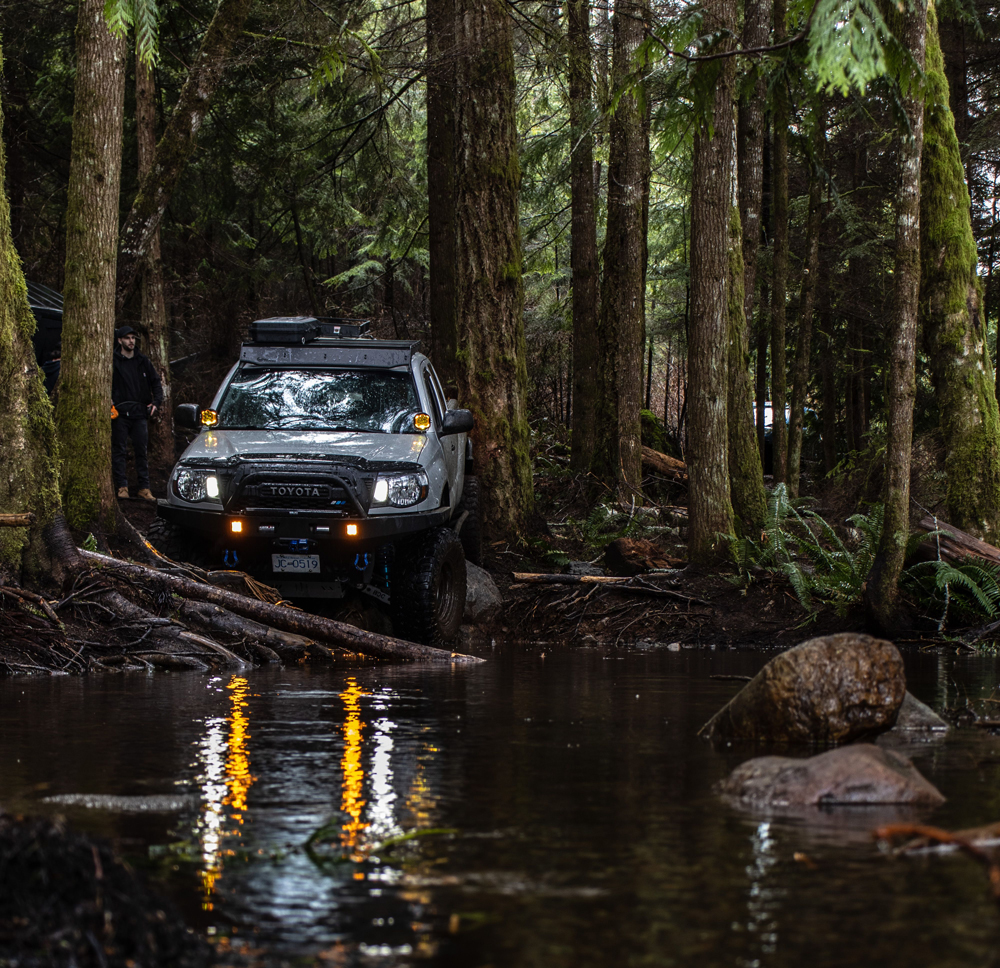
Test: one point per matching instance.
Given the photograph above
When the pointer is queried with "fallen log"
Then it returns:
(664, 464)
(279, 616)
(17, 520)
(613, 581)
(953, 544)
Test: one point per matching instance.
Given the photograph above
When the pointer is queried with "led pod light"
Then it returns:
(400, 490)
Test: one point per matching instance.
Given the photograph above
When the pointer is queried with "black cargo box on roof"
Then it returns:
(379, 353)
(286, 330)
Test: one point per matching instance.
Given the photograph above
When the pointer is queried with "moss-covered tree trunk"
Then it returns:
(178, 142)
(441, 59)
(882, 588)
(29, 467)
(83, 413)
(492, 372)
(154, 304)
(621, 322)
(713, 209)
(803, 336)
(583, 241)
(953, 327)
(746, 478)
(779, 281)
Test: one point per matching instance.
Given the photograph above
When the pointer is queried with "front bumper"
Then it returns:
(275, 525)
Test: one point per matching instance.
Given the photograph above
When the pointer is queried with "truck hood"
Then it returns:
(224, 445)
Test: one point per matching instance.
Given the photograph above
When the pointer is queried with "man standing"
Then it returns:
(136, 393)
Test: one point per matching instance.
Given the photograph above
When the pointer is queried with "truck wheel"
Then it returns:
(428, 593)
(471, 533)
(178, 544)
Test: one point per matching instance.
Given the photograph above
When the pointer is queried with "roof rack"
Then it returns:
(284, 330)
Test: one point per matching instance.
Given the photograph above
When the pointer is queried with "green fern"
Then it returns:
(970, 586)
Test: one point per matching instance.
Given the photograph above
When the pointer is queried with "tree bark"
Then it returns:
(29, 465)
(882, 588)
(154, 306)
(746, 477)
(493, 377)
(953, 327)
(779, 282)
(177, 144)
(441, 93)
(583, 243)
(712, 210)
(621, 322)
(83, 411)
(803, 337)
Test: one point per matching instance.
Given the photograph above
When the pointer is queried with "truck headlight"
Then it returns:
(194, 485)
(400, 490)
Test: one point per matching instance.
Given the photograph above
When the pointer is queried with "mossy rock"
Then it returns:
(656, 436)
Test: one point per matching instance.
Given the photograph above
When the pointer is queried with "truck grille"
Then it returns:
(296, 494)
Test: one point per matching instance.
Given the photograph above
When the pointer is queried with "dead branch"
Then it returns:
(280, 616)
(17, 520)
(664, 464)
(617, 584)
(892, 831)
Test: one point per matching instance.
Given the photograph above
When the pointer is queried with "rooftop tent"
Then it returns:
(47, 305)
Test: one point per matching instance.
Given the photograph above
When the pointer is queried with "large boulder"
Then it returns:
(482, 597)
(858, 774)
(832, 689)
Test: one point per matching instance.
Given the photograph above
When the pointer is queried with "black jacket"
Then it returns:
(135, 380)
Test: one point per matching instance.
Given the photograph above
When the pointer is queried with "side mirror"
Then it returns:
(457, 422)
(188, 415)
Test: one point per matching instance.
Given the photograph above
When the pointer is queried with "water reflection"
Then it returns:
(352, 801)
(224, 782)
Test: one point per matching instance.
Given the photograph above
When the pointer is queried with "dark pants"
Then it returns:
(124, 429)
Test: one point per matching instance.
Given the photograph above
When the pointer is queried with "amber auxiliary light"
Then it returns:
(422, 421)
(352, 530)
(236, 527)
(209, 418)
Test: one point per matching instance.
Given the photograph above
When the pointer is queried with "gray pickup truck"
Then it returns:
(330, 461)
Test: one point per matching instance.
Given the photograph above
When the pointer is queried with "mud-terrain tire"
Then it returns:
(428, 590)
(471, 534)
(178, 544)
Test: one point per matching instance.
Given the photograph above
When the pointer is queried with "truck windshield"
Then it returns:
(372, 401)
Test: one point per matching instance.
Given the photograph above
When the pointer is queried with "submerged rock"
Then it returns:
(113, 803)
(916, 716)
(859, 774)
(482, 597)
(832, 689)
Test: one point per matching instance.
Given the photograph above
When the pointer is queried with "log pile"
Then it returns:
(114, 614)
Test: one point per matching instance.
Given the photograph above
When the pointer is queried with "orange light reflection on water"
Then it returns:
(225, 785)
(352, 800)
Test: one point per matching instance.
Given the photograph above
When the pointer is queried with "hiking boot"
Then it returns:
(122, 493)
(146, 494)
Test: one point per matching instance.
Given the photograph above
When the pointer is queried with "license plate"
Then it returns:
(295, 564)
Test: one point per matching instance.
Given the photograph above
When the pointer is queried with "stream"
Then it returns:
(550, 807)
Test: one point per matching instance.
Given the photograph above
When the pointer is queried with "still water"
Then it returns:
(546, 808)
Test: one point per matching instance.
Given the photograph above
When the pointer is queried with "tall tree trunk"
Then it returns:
(710, 512)
(29, 464)
(750, 148)
(620, 327)
(441, 160)
(953, 328)
(760, 387)
(583, 257)
(953, 47)
(882, 588)
(178, 143)
(803, 337)
(83, 413)
(493, 377)
(828, 376)
(154, 306)
(746, 478)
(779, 284)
